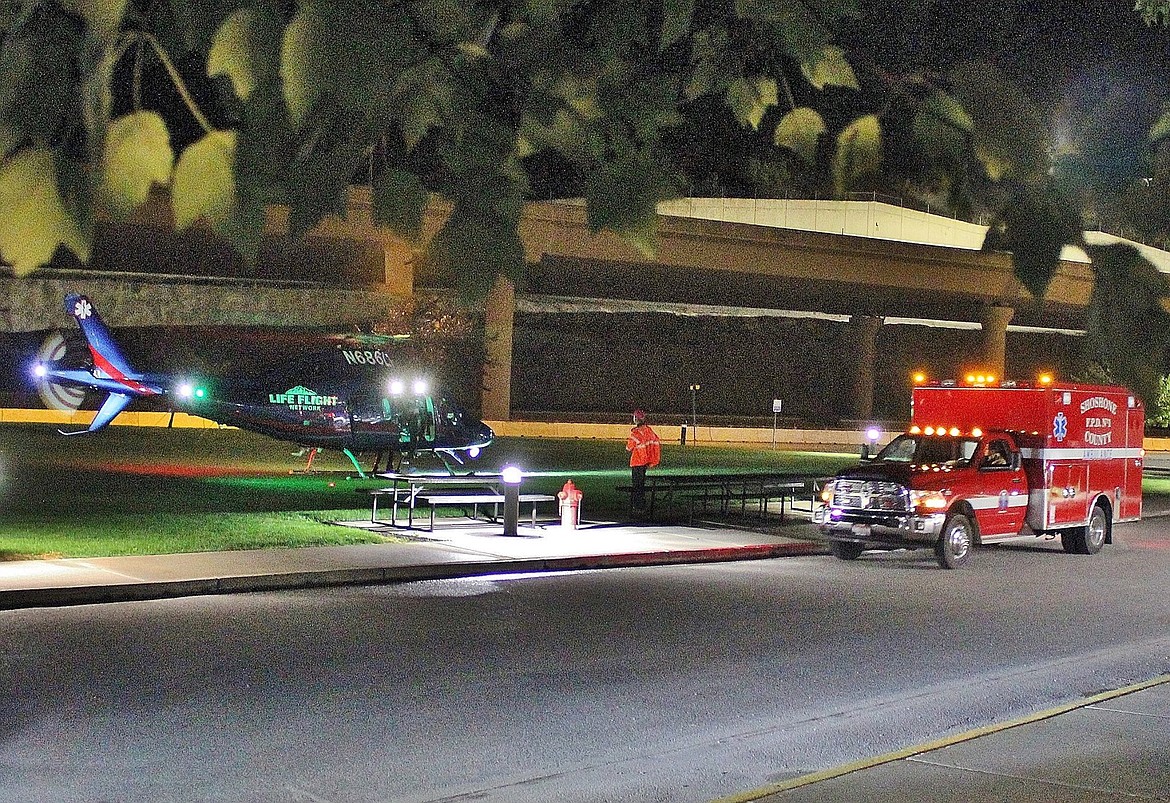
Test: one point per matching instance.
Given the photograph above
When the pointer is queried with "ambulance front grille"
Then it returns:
(870, 495)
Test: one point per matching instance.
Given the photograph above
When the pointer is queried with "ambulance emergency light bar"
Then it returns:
(984, 380)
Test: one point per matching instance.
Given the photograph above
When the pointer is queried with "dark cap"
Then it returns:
(639, 415)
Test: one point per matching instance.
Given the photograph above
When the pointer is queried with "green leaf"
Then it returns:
(38, 88)
(750, 98)
(800, 131)
(243, 50)
(1034, 225)
(204, 187)
(829, 68)
(622, 196)
(1127, 326)
(473, 247)
(301, 55)
(676, 20)
(1009, 131)
(542, 12)
(859, 152)
(1161, 129)
(942, 127)
(104, 17)
(138, 155)
(425, 93)
(35, 221)
(400, 200)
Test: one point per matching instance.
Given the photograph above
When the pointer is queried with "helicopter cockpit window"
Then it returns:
(413, 416)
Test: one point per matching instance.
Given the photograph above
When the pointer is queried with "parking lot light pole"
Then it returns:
(694, 413)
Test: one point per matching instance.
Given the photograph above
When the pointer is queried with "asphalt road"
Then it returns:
(658, 684)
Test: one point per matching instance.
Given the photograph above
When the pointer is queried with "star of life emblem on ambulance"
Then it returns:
(82, 309)
(1059, 426)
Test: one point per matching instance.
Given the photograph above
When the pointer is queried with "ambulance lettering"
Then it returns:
(1098, 427)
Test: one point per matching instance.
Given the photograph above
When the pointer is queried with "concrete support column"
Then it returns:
(499, 313)
(995, 322)
(398, 268)
(864, 330)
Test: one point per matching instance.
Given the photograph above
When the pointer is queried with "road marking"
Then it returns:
(938, 744)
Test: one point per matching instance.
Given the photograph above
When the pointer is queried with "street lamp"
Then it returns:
(694, 410)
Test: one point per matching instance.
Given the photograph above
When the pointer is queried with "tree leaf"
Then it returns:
(800, 131)
(243, 49)
(1161, 129)
(1034, 225)
(35, 221)
(138, 155)
(301, 56)
(1127, 328)
(829, 68)
(104, 17)
(472, 247)
(1009, 131)
(425, 93)
(622, 196)
(859, 152)
(676, 20)
(204, 187)
(37, 80)
(400, 199)
(942, 127)
(750, 98)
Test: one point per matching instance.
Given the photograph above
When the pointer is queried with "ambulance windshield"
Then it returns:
(922, 450)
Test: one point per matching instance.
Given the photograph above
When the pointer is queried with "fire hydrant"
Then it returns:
(570, 502)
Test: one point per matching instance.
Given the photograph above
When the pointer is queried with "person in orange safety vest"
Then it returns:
(645, 452)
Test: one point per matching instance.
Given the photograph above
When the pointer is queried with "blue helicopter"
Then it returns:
(346, 396)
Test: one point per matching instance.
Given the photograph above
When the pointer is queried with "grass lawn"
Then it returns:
(129, 491)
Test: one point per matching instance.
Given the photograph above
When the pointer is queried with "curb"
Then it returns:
(330, 578)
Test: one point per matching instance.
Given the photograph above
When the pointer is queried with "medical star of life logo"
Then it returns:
(1059, 426)
(82, 309)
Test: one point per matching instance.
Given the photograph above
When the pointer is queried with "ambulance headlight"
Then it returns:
(931, 501)
(827, 492)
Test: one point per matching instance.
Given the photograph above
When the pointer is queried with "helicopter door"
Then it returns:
(415, 418)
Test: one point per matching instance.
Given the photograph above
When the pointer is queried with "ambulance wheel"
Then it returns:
(1088, 540)
(953, 549)
(846, 550)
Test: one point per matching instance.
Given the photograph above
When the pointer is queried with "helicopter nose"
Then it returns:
(485, 435)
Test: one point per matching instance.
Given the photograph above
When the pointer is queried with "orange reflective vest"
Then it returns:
(644, 447)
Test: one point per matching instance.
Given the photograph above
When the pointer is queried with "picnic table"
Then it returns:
(469, 491)
(723, 493)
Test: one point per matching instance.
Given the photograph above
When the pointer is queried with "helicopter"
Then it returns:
(347, 394)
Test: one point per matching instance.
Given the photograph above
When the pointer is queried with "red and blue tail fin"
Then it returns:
(108, 360)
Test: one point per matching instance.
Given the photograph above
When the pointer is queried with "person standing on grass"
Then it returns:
(645, 452)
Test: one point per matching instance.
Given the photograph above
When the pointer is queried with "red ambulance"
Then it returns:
(987, 461)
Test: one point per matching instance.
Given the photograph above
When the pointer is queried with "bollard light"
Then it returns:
(511, 477)
(872, 435)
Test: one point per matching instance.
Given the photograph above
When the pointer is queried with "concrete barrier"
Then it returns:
(812, 440)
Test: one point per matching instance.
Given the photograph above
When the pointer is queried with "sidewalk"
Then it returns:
(1111, 747)
(455, 551)
(1114, 746)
